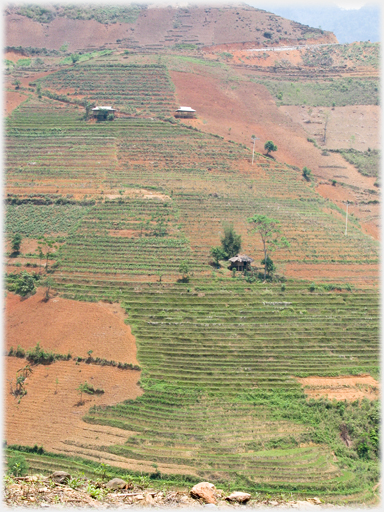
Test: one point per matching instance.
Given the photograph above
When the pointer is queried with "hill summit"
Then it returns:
(153, 28)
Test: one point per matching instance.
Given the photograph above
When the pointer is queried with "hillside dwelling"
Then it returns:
(185, 112)
(103, 112)
(240, 262)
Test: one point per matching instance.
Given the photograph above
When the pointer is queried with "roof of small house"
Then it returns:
(106, 107)
(185, 109)
(241, 258)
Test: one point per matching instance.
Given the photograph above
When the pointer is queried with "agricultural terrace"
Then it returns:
(219, 354)
(132, 89)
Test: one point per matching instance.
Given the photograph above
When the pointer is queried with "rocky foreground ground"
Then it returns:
(60, 490)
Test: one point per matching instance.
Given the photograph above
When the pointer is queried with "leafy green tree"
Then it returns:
(307, 173)
(24, 284)
(184, 271)
(269, 231)
(270, 146)
(46, 246)
(16, 243)
(75, 57)
(48, 283)
(218, 254)
(231, 242)
(269, 265)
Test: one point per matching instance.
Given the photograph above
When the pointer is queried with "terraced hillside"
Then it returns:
(132, 199)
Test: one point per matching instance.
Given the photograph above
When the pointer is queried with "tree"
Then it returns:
(270, 234)
(46, 246)
(307, 173)
(16, 243)
(218, 254)
(184, 271)
(270, 146)
(75, 58)
(88, 109)
(269, 265)
(48, 283)
(231, 242)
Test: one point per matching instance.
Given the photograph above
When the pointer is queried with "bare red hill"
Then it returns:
(157, 28)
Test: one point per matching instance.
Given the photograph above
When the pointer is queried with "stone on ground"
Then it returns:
(205, 491)
(60, 477)
(240, 497)
(116, 483)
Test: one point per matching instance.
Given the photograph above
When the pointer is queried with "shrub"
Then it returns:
(17, 465)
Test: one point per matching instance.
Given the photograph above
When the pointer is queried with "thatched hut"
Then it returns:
(240, 262)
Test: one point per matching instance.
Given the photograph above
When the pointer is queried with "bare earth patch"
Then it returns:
(64, 326)
(348, 387)
(12, 100)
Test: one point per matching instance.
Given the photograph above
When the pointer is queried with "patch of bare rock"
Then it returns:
(61, 490)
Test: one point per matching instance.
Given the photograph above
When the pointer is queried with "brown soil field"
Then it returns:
(12, 100)
(49, 413)
(63, 326)
(352, 274)
(353, 126)
(341, 388)
(14, 56)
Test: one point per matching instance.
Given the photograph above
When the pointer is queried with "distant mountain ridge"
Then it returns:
(153, 28)
(348, 25)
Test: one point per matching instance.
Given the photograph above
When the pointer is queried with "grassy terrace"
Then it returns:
(219, 354)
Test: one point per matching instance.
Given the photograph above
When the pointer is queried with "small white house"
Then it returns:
(186, 112)
(102, 111)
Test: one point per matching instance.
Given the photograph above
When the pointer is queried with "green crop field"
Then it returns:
(331, 93)
(219, 353)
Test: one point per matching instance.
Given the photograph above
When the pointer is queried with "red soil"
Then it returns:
(12, 100)
(64, 326)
